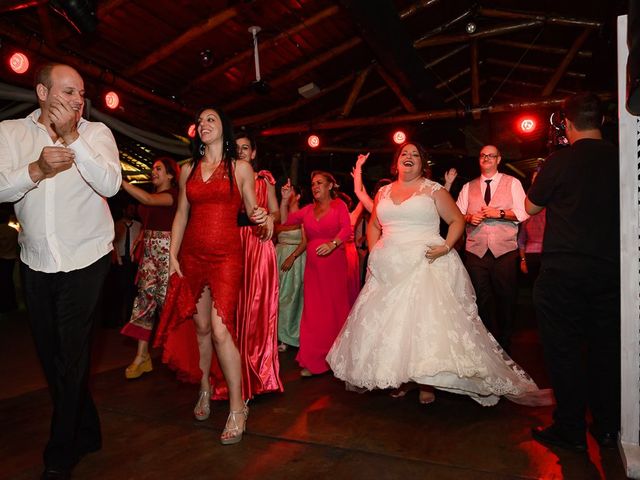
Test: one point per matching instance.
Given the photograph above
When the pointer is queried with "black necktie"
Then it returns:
(127, 243)
(487, 192)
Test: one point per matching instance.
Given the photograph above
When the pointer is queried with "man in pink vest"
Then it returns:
(493, 205)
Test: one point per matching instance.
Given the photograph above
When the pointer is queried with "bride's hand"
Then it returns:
(436, 251)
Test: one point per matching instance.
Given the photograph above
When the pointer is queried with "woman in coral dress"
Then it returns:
(257, 317)
(326, 297)
(198, 325)
(416, 318)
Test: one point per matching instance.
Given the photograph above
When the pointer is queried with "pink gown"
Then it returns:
(326, 294)
(257, 317)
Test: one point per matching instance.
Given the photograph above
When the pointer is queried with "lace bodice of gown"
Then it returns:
(416, 217)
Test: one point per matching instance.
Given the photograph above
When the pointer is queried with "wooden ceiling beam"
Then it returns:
(336, 111)
(538, 48)
(104, 8)
(447, 55)
(355, 91)
(45, 24)
(416, 117)
(162, 52)
(486, 33)
(462, 92)
(531, 68)
(531, 85)
(566, 61)
(279, 112)
(296, 72)
(554, 19)
(416, 7)
(395, 88)
(248, 53)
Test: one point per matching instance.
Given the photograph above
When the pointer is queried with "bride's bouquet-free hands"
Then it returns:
(436, 251)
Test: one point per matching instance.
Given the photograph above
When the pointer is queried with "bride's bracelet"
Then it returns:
(448, 248)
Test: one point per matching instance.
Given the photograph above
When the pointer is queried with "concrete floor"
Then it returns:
(314, 430)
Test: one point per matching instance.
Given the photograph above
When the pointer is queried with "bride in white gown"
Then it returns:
(416, 319)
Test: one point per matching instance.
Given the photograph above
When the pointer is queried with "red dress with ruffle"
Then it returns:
(210, 255)
(257, 317)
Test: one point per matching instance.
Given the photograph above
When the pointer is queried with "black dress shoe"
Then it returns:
(606, 440)
(55, 474)
(554, 437)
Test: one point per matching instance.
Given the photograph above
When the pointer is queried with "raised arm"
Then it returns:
(358, 187)
(162, 199)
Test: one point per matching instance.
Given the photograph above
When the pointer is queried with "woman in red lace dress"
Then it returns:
(257, 318)
(206, 271)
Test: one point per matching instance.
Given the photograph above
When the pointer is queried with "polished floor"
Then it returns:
(315, 429)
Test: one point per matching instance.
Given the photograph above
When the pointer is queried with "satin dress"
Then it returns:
(326, 295)
(257, 317)
(291, 282)
(210, 255)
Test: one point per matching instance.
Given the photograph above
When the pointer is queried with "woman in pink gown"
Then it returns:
(326, 296)
(257, 315)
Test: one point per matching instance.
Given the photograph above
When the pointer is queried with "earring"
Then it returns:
(202, 149)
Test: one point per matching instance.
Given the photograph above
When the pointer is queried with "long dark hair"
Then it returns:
(424, 159)
(172, 168)
(229, 151)
(252, 141)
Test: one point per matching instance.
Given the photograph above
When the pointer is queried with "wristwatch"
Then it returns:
(335, 244)
(501, 213)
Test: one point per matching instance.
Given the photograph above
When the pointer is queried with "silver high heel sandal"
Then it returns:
(232, 429)
(202, 410)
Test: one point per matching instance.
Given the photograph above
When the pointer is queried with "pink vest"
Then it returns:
(499, 236)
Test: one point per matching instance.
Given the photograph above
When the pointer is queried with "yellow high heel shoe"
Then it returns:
(202, 410)
(135, 370)
(232, 433)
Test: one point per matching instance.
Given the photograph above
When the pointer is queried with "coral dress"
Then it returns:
(326, 295)
(418, 321)
(257, 316)
(210, 255)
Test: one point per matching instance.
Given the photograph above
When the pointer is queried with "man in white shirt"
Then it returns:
(58, 168)
(493, 205)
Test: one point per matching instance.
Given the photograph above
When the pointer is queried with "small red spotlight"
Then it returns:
(399, 137)
(19, 62)
(313, 141)
(111, 100)
(191, 132)
(527, 124)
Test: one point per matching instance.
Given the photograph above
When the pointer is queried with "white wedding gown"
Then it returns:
(418, 321)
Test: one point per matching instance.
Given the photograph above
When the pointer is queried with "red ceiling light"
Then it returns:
(399, 137)
(313, 141)
(191, 131)
(19, 62)
(527, 124)
(111, 100)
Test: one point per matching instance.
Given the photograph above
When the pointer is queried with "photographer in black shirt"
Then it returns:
(577, 295)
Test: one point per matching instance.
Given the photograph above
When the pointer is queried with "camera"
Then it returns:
(557, 131)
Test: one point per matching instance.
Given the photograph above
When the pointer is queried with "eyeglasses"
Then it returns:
(492, 156)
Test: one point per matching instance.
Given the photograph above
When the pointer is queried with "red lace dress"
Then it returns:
(210, 254)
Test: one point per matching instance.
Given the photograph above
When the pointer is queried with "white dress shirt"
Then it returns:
(517, 194)
(65, 219)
